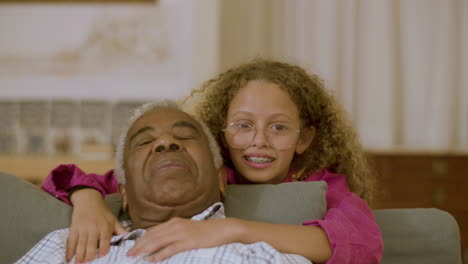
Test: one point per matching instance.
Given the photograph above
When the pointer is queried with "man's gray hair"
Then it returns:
(119, 170)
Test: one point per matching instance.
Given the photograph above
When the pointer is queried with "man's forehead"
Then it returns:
(161, 117)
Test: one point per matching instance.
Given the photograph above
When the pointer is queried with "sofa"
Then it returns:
(420, 235)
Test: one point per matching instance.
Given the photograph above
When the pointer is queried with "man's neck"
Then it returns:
(214, 211)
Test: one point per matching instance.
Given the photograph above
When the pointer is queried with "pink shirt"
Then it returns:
(349, 222)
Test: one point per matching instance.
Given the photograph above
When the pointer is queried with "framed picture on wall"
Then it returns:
(115, 51)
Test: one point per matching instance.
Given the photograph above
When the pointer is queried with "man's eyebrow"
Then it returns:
(140, 131)
(186, 124)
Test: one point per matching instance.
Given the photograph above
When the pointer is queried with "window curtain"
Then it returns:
(399, 67)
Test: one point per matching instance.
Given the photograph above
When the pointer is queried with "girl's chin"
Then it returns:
(261, 177)
(260, 174)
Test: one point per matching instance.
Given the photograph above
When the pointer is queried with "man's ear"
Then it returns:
(222, 181)
(305, 139)
(123, 195)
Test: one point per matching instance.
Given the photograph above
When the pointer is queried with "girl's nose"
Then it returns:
(260, 140)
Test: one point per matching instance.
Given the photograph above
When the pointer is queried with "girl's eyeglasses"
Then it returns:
(240, 135)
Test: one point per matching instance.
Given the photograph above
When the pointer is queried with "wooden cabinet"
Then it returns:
(415, 180)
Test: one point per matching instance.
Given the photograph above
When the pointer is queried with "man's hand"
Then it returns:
(92, 226)
(179, 234)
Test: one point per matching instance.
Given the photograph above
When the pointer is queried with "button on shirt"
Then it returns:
(52, 249)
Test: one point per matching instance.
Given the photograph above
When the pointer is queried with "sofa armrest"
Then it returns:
(421, 235)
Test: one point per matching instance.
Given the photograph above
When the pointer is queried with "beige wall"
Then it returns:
(160, 50)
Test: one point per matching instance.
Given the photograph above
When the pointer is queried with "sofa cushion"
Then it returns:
(286, 203)
(28, 214)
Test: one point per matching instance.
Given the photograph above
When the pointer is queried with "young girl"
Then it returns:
(274, 123)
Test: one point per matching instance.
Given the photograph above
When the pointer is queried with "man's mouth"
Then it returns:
(166, 165)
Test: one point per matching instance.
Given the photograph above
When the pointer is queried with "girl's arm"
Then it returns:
(92, 222)
(349, 224)
(308, 241)
(183, 234)
(178, 234)
(66, 177)
(92, 226)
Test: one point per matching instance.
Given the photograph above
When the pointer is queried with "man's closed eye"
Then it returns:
(144, 142)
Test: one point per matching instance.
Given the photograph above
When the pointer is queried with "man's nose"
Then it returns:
(166, 144)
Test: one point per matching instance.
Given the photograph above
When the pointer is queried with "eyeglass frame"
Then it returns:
(253, 137)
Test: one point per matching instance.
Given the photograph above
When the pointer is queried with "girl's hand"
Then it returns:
(179, 234)
(92, 226)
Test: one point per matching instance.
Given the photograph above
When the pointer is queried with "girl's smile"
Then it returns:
(258, 161)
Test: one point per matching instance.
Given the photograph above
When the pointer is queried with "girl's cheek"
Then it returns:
(235, 153)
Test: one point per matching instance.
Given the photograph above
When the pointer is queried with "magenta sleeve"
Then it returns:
(349, 224)
(63, 178)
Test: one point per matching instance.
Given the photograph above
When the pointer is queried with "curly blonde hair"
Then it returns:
(335, 146)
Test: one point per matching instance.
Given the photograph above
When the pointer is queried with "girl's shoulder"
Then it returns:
(335, 181)
(324, 175)
(230, 175)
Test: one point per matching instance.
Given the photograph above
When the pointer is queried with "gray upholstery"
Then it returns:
(28, 214)
(410, 235)
(261, 202)
(419, 236)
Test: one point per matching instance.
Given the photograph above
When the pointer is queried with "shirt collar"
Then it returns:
(215, 211)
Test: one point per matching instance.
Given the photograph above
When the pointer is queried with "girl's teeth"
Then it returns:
(259, 159)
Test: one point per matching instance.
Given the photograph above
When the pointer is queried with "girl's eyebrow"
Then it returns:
(280, 115)
(249, 114)
(242, 113)
(140, 131)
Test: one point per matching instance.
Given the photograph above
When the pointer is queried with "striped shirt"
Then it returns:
(52, 249)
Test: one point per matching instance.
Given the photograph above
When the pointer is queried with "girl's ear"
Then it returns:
(305, 139)
(223, 140)
(123, 195)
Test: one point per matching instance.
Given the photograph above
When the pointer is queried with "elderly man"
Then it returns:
(169, 167)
